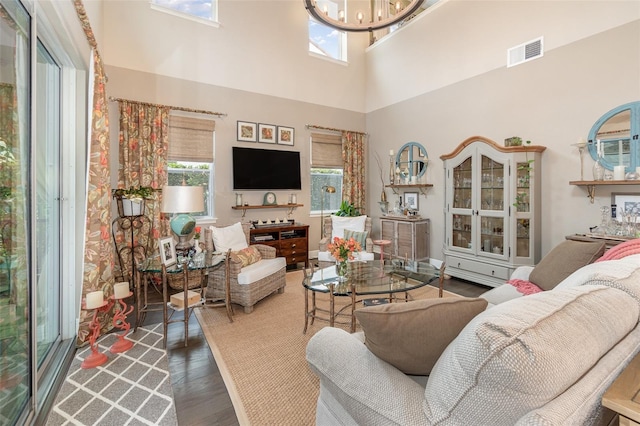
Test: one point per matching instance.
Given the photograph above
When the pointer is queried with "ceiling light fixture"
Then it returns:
(327, 13)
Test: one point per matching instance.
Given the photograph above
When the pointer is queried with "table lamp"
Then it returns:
(182, 200)
(330, 189)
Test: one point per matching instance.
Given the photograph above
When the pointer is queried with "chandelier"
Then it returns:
(328, 13)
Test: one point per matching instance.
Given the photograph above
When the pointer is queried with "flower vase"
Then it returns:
(342, 268)
(197, 245)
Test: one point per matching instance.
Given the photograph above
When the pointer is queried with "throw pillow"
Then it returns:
(359, 236)
(615, 269)
(411, 336)
(563, 260)
(229, 237)
(340, 223)
(247, 256)
(521, 354)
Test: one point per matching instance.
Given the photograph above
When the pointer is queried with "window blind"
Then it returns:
(326, 150)
(191, 139)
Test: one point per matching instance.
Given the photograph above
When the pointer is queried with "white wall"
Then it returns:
(460, 39)
(260, 47)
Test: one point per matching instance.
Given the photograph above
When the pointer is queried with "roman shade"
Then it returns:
(191, 139)
(326, 150)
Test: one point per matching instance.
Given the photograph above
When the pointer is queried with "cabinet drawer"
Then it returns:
(296, 258)
(479, 267)
(293, 244)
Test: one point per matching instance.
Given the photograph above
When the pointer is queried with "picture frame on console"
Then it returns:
(247, 131)
(626, 202)
(167, 251)
(286, 135)
(410, 200)
(266, 133)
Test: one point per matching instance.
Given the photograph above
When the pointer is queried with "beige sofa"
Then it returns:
(541, 359)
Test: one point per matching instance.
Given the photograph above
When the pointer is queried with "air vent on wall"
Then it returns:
(525, 52)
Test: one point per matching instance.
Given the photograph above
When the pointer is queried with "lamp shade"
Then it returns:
(182, 199)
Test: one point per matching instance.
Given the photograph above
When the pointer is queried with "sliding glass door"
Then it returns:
(15, 328)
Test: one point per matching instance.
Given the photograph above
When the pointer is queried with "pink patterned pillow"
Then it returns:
(246, 256)
(525, 287)
(622, 250)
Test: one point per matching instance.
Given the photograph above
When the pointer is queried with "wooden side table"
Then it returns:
(381, 243)
(623, 395)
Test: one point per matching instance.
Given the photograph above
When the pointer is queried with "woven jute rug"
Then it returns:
(261, 356)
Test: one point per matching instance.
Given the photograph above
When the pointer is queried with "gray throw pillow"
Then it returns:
(566, 258)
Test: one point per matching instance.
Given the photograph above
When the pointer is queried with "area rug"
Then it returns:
(132, 388)
(261, 356)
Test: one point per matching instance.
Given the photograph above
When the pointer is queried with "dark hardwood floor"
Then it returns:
(199, 392)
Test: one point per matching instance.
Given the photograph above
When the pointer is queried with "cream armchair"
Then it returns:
(335, 226)
(251, 283)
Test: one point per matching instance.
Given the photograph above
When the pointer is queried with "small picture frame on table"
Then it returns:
(410, 200)
(626, 203)
(286, 135)
(247, 132)
(266, 133)
(167, 251)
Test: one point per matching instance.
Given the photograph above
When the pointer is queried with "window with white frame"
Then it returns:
(327, 41)
(326, 170)
(190, 158)
(206, 10)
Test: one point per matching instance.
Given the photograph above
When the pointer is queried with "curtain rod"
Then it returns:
(312, 126)
(199, 111)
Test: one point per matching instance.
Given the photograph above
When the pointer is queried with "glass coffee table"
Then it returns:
(365, 280)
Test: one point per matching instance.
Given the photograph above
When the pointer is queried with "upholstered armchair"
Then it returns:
(335, 226)
(250, 280)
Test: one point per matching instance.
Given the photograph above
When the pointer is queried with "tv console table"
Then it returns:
(290, 241)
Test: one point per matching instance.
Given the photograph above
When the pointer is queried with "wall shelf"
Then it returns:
(591, 185)
(290, 207)
(422, 187)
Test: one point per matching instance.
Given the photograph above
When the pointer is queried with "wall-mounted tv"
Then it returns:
(270, 169)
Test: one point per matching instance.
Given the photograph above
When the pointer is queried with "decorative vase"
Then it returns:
(598, 169)
(197, 245)
(342, 268)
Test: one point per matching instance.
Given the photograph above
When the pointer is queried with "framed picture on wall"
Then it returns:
(285, 135)
(411, 200)
(167, 251)
(266, 133)
(247, 132)
(627, 206)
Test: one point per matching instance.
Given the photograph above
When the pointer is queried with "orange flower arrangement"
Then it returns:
(342, 250)
(197, 234)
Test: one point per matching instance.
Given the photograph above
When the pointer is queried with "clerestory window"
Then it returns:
(326, 41)
(206, 10)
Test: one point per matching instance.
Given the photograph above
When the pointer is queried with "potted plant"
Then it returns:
(347, 209)
(131, 201)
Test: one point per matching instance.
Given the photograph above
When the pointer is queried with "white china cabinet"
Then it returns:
(492, 209)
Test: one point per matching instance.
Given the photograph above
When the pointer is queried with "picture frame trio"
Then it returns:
(265, 133)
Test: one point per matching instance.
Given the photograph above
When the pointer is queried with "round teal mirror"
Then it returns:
(412, 159)
(617, 132)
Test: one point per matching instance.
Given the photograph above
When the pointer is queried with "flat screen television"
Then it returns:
(269, 169)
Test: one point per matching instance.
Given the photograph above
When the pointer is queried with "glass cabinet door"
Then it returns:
(462, 204)
(491, 206)
(523, 209)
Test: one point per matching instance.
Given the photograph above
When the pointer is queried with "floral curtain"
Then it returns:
(354, 178)
(143, 142)
(98, 256)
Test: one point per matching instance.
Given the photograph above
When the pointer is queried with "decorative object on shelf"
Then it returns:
(617, 132)
(411, 200)
(513, 141)
(286, 135)
(266, 133)
(131, 202)
(120, 292)
(383, 195)
(412, 160)
(269, 199)
(618, 172)
(182, 200)
(598, 168)
(247, 131)
(581, 145)
(325, 189)
(384, 206)
(392, 167)
(293, 199)
(167, 251)
(336, 18)
(342, 251)
(238, 199)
